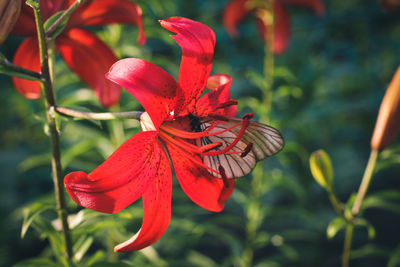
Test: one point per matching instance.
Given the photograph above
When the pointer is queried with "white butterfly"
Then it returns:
(257, 142)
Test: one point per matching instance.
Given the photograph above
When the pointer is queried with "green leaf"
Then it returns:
(335, 226)
(10, 69)
(81, 246)
(198, 259)
(34, 162)
(285, 74)
(256, 78)
(387, 200)
(97, 257)
(31, 213)
(78, 149)
(369, 251)
(46, 229)
(288, 90)
(112, 264)
(37, 262)
(368, 226)
(394, 259)
(50, 21)
(321, 168)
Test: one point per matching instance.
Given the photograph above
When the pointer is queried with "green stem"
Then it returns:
(254, 216)
(63, 17)
(97, 116)
(53, 133)
(269, 62)
(366, 180)
(336, 203)
(347, 245)
(9, 68)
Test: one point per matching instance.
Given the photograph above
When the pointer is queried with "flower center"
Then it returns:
(198, 138)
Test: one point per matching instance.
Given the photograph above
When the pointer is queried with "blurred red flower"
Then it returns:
(207, 146)
(86, 55)
(237, 10)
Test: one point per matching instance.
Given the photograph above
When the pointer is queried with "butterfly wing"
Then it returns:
(266, 142)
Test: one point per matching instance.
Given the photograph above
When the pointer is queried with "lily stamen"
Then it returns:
(188, 135)
(245, 123)
(223, 175)
(247, 150)
(190, 156)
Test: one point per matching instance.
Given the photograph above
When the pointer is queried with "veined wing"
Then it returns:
(266, 142)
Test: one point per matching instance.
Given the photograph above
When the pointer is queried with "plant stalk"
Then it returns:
(336, 203)
(53, 133)
(366, 180)
(347, 245)
(269, 62)
(97, 116)
(254, 219)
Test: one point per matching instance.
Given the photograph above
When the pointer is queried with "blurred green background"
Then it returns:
(327, 90)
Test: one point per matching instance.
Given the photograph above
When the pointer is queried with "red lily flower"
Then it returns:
(86, 55)
(207, 145)
(237, 10)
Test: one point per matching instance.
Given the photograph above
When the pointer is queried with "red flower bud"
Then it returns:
(9, 12)
(388, 123)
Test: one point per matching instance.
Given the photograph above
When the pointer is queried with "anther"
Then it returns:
(248, 116)
(223, 175)
(247, 150)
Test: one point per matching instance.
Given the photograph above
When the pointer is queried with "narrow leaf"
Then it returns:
(335, 226)
(30, 214)
(368, 226)
(60, 27)
(81, 247)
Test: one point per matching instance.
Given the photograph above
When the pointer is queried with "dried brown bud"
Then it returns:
(388, 123)
(9, 13)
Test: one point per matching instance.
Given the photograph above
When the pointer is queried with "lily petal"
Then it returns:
(152, 86)
(121, 179)
(27, 56)
(77, 46)
(197, 42)
(213, 101)
(281, 29)
(234, 13)
(316, 5)
(199, 185)
(104, 12)
(156, 209)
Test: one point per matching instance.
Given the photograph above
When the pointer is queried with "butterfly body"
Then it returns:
(195, 123)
